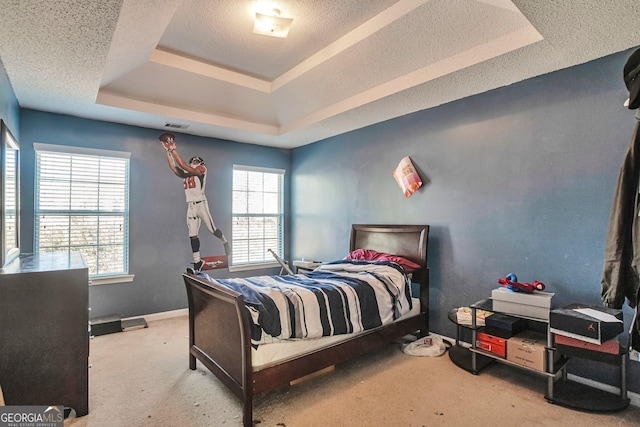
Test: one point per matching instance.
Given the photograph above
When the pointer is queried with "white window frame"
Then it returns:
(95, 279)
(266, 263)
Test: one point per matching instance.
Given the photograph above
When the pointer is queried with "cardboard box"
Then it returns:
(492, 344)
(535, 305)
(528, 349)
(611, 346)
(591, 323)
(504, 326)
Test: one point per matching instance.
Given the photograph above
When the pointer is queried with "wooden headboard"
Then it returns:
(409, 241)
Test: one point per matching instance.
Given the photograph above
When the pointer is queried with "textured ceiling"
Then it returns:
(345, 64)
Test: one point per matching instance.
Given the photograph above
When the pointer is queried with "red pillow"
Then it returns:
(371, 255)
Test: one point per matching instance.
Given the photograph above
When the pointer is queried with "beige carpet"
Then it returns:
(142, 378)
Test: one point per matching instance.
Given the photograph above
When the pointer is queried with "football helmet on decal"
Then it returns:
(197, 161)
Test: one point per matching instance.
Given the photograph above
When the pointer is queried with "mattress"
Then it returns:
(267, 355)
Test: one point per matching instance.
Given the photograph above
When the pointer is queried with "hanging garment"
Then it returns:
(621, 259)
(622, 250)
(620, 278)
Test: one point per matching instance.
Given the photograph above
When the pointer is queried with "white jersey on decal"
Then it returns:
(194, 185)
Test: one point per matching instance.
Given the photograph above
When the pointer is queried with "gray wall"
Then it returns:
(517, 180)
(159, 242)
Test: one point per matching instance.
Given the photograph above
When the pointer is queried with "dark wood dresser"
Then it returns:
(44, 340)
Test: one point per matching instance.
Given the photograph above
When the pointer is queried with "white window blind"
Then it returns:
(258, 214)
(11, 202)
(82, 204)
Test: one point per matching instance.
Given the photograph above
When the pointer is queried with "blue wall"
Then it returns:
(519, 179)
(159, 242)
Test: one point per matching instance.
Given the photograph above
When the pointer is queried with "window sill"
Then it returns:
(247, 267)
(124, 278)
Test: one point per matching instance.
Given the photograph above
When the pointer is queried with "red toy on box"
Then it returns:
(511, 282)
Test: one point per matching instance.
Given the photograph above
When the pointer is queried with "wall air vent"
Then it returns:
(175, 126)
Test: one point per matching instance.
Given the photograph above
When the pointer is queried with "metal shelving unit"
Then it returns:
(474, 359)
(565, 392)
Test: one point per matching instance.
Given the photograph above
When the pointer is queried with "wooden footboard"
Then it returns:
(220, 337)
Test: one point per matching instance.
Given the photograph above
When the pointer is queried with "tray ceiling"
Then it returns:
(345, 64)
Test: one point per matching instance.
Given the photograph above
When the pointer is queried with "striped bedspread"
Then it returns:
(342, 297)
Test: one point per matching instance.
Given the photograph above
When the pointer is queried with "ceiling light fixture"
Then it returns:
(271, 24)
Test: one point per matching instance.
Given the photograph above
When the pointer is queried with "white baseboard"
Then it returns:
(162, 315)
(634, 398)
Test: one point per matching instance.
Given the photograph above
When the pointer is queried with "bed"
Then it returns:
(220, 324)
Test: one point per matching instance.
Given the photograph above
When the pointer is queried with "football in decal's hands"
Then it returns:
(167, 141)
(167, 137)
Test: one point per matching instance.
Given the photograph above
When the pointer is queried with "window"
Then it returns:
(258, 214)
(82, 204)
